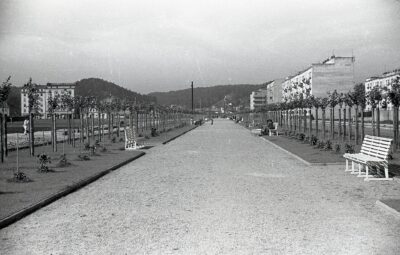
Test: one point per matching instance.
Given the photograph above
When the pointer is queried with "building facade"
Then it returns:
(44, 93)
(258, 99)
(383, 81)
(335, 73)
(274, 91)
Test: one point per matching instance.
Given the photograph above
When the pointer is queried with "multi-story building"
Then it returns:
(383, 81)
(274, 91)
(258, 99)
(44, 93)
(335, 73)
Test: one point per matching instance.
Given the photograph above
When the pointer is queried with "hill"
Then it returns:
(102, 89)
(208, 96)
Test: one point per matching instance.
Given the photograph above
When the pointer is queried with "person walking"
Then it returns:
(25, 126)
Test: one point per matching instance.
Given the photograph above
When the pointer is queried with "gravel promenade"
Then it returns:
(215, 190)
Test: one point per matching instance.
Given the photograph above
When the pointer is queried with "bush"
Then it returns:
(337, 148)
(147, 137)
(121, 139)
(103, 149)
(83, 157)
(313, 140)
(63, 162)
(20, 177)
(301, 136)
(154, 132)
(320, 145)
(140, 135)
(113, 139)
(86, 147)
(348, 148)
(43, 160)
(328, 145)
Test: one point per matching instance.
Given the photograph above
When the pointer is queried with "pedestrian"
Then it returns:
(25, 126)
(212, 121)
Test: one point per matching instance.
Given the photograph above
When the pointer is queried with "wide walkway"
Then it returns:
(215, 190)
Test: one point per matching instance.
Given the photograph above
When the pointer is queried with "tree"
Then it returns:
(33, 104)
(374, 97)
(333, 99)
(53, 104)
(5, 89)
(393, 94)
(358, 98)
(68, 104)
(349, 102)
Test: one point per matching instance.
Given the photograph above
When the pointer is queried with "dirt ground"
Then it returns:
(215, 190)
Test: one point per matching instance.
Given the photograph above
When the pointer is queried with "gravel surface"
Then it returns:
(215, 190)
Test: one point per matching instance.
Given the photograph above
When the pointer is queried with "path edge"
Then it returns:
(173, 138)
(62, 193)
(388, 209)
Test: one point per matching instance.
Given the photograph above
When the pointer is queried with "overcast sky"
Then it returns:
(163, 45)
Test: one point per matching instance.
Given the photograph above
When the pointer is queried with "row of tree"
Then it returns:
(296, 111)
(86, 108)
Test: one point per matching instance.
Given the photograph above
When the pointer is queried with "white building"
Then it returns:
(258, 99)
(44, 93)
(384, 81)
(334, 73)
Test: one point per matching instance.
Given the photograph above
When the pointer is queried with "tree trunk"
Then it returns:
(69, 129)
(31, 135)
(395, 125)
(304, 121)
(118, 125)
(310, 123)
(1, 139)
(333, 123)
(344, 124)
(357, 138)
(362, 125)
(378, 121)
(373, 121)
(350, 120)
(316, 122)
(81, 132)
(92, 127)
(87, 127)
(5, 135)
(323, 124)
(340, 123)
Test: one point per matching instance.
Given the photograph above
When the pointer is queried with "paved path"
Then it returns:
(215, 190)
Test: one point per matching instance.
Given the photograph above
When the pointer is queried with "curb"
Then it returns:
(68, 190)
(301, 159)
(288, 152)
(173, 138)
(388, 209)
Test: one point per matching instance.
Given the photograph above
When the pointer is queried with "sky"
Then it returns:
(163, 45)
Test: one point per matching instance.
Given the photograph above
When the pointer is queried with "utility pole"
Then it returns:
(192, 99)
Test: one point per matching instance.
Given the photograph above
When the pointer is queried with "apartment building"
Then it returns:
(383, 81)
(44, 93)
(334, 73)
(258, 99)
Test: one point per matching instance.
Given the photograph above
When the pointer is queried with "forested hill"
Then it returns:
(102, 89)
(208, 96)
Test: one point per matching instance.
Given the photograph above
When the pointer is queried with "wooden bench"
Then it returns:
(131, 139)
(275, 130)
(374, 152)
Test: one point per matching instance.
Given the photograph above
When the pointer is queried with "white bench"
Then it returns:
(374, 152)
(275, 130)
(131, 140)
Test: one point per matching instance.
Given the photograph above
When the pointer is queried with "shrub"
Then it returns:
(63, 162)
(301, 136)
(113, 139)
(140, 135)
(103, 149)
(320, 145)
(313, 140)
(20, 177)
(83, 157)
(328, 145)
(154, 132)
(337, 148)
(87, 147)
(390, 156)
(147, 137)
(121, 139)
(348, 148)
(43, 160)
